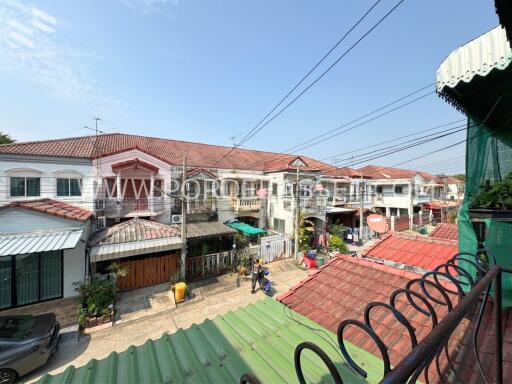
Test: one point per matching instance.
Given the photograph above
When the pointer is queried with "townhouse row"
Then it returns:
(70, 207)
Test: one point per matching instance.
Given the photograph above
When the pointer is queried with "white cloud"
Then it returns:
(29, 50)
(147, 6)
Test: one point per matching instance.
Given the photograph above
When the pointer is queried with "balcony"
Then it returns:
(307, 204)
(201, 206)
(420, 198)
(245, 204)
(130, 207)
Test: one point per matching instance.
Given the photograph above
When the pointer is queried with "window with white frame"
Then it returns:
(22, 186)
(67, 186)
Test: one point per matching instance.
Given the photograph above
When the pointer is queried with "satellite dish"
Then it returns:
(377, 223)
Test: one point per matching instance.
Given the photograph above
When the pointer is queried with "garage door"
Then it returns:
(148, 271)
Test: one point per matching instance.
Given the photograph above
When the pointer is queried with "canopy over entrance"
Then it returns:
(246, 229)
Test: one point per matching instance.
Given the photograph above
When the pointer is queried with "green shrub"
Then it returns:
(336, 244)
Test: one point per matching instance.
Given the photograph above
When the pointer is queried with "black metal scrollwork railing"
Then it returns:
(447, 280)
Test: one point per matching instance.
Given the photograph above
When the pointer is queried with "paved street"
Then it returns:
(221, 295)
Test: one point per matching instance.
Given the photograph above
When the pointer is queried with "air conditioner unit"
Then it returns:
(101, 222)
(176, 219)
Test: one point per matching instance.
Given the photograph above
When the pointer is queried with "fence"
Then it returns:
(275, 247)
(401, 223)
(148, 271)
(209, 265)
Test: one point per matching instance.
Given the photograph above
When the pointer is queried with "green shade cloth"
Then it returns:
(488, 160)
(246, 229)
(259, 339)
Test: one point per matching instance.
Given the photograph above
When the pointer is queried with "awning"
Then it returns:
(133, 248)
(341, 210)
(208, 229)
(243, 176)
(473, 77)
(246, 229)
(30, 242)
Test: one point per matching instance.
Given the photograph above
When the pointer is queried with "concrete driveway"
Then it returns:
(212, 297)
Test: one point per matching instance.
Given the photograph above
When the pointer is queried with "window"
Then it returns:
(34, 277)
(399, 189)
(69, 187)
(279, 225)
(379, 189)
(25, 186)
(274, 189)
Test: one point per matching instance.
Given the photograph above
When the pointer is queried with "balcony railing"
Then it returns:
(314, 203)
(130, 207)
(432, 295)
(201, 206)
(245, 204)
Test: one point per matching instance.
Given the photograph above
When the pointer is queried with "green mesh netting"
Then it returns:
(488, 160)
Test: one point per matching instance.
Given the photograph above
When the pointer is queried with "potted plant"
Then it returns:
(494, 201)
(97, 298)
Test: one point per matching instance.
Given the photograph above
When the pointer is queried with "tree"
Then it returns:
(5, 138)
(460, 176)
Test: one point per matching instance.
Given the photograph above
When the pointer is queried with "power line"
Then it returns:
(304, 145)
(395, 139)
(312, 69)
(376, 151)
(325, 72)
(259, 127)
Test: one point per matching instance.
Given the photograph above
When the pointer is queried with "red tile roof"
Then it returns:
(416, 251)
(345, 285)
(468, 370)
(135, 163)
(169, 151)
(378, 172)
(135, 230)
(444, 231)
(342, 289)
(53, 208)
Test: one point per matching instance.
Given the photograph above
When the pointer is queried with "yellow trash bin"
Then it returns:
(179, 291)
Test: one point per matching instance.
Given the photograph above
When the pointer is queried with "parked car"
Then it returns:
(26, 343)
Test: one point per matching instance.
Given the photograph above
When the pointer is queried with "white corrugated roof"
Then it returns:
(478, 57)
(133, 248)
(29, 242)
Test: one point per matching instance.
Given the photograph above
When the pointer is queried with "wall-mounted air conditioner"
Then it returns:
(101, 222)
(176, 219)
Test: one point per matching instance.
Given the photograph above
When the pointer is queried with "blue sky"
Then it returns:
(209, 70)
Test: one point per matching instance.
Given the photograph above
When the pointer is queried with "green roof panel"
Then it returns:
(258, 339)
(247, 229)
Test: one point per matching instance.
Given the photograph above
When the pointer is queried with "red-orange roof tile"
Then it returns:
(53, 208)
(416, 251)
(343, 288)
(135, 230)
(169, 151)
(445, 231)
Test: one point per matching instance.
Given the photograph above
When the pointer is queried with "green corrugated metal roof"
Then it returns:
(259, 339)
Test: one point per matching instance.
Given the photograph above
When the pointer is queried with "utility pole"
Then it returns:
(183, 221)
(297, 213)
(361, 209)
(411, 208)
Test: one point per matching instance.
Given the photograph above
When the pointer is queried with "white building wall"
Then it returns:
(48, 169)
(74, 264)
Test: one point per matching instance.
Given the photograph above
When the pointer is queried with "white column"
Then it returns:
(119, 192)
(118, 186)
(151, 190)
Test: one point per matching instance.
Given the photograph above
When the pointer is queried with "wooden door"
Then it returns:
(148, 271)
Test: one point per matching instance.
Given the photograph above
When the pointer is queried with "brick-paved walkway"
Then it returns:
(211, 300)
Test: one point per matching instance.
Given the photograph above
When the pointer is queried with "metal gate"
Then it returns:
(148, 271)
(209, 265)
(275, 247)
